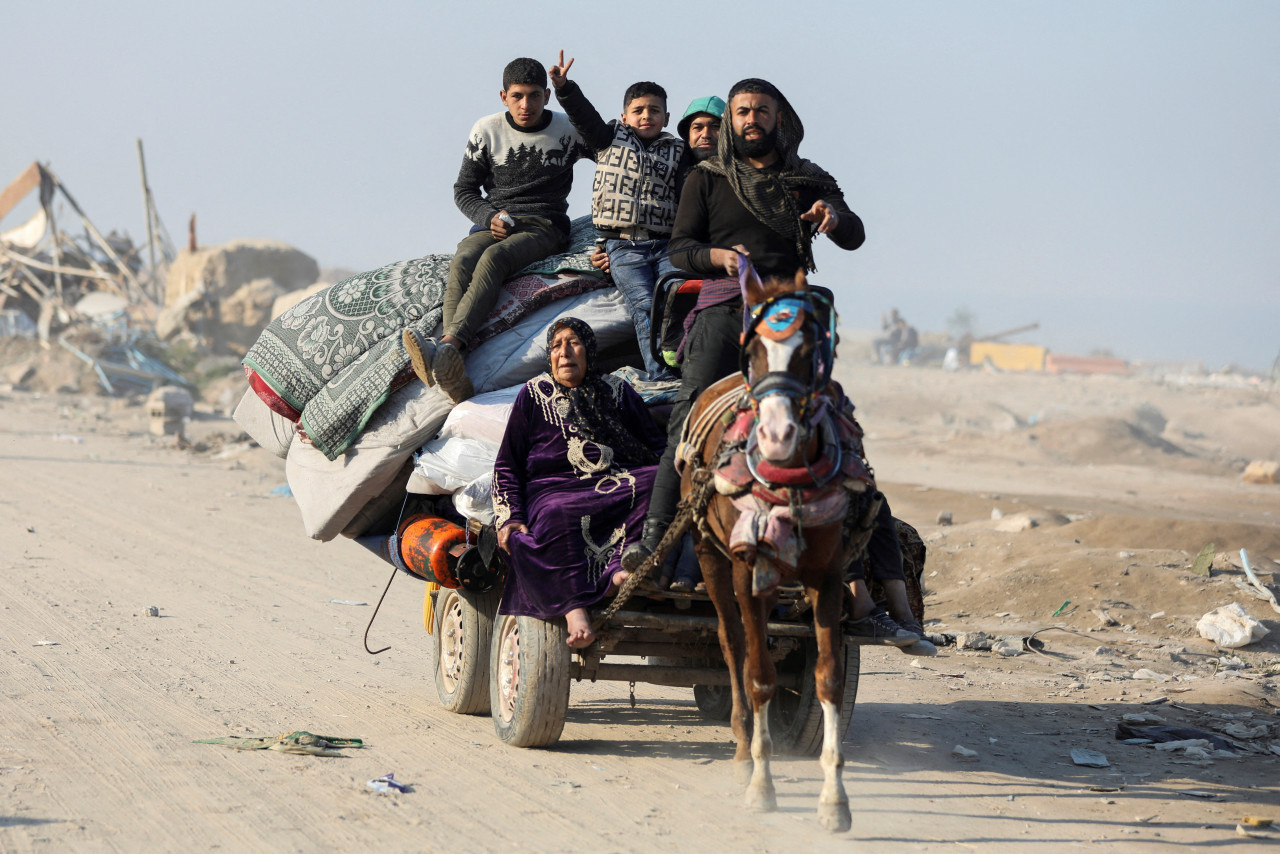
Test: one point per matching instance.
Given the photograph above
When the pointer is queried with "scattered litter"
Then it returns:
(153, 611)
(1089, 758)
(1061, 608)
(1244, 731)
(1200, 566)
(1143, 718)
(1262, 591)
(67, 437)
(1150, 675)
(1157, 615)
(1155, 701)
(291, 742)
(1104, 618)
(1230, 626)
(1254, 833)
(944, 517)
(916, 717)
(1191, 793)
(1168, 746)
(283, 491)
(347, 602)
(962, 752)
(1170, 734)
(47, 643)
(1106, 788)
(1256, 821)
(996, 513)
(387, 783)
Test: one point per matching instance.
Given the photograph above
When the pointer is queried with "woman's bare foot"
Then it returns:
(619, 578)
(580, 634)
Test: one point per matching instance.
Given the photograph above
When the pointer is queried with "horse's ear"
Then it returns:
(802, 282)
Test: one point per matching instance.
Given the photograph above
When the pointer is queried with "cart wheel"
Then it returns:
(464, 627)
(795, 718)
(715, 702)
(529, 684)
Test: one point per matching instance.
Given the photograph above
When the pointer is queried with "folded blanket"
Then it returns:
(336, 356)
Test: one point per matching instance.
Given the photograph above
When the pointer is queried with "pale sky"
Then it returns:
(1110, 170)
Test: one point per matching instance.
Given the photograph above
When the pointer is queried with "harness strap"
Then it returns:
(694, 436)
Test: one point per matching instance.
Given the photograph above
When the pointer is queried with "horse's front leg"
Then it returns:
(762, 683)
(833, 803)
(717, 574)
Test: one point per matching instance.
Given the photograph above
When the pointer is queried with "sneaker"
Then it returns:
(422, 352)
(879, 628)
(922, 647)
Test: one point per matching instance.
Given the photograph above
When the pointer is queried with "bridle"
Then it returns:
(777, 319)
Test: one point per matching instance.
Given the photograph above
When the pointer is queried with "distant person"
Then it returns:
(884, 346)
(908, 342)
(639, 171)
(514, 185)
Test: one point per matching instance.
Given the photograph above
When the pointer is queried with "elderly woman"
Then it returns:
(571, 483)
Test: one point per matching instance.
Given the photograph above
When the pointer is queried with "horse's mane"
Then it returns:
(758, 291)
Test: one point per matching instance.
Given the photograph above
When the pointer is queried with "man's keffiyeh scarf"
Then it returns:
(768, 194)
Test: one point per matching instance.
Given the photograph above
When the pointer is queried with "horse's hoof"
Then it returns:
(835, 817)
(763, 800)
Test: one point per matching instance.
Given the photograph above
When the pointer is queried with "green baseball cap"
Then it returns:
(711, 105)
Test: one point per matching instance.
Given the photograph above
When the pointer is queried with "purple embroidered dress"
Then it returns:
(581, 509)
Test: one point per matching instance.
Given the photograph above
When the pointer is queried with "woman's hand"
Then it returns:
(505, 532)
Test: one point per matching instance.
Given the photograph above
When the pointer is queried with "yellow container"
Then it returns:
(1008, 357)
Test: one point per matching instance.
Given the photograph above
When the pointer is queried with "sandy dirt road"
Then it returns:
(101, 703)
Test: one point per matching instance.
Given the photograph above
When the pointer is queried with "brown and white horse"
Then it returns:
(779, 514)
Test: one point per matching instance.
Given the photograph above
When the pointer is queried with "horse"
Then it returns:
(793, 501)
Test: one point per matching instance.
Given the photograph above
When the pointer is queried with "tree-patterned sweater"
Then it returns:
(524, 171)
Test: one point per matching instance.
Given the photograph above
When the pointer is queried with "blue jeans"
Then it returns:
(636, 266)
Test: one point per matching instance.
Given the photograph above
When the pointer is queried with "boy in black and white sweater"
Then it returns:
(639, 171)
(514, 186)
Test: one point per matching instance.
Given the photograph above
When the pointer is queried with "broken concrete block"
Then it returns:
(1016, 524)
(1230, 626)
(1262, 471)
(974, 640)
(168, 408)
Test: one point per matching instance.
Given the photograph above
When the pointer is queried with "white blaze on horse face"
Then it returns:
(778, 430)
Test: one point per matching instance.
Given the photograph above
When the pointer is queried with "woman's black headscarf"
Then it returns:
(591, 405)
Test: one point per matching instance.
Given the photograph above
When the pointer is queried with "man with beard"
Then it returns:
(756, 197)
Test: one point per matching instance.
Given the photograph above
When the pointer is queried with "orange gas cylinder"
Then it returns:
(430, 546)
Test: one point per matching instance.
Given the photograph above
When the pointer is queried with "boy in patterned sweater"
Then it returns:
(514, 186)
(639, 171)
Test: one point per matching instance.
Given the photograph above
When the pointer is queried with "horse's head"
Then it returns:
(788, 348)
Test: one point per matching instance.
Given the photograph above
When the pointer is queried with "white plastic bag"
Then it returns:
(475, 500)
(1231, 627)
(453, 463)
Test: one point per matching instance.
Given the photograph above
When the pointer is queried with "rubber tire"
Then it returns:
(715, 702)
(462, 660)
(795, 719)
(531, 709)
